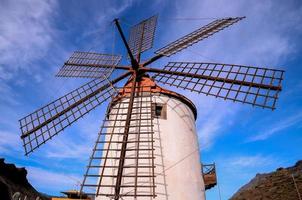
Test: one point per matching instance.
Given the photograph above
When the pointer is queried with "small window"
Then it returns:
(160, 110)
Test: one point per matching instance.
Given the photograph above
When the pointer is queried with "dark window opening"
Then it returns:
(160, 110)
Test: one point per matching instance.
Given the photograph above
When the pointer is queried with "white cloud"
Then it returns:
(250, 161)
(213, 119)
(10, 142)
(236, 170)
(8, 96)
(77, 141)
(261, 39)
(62, 148)
(277, 127)
(47, 180)
(25, 33)
(101, 28)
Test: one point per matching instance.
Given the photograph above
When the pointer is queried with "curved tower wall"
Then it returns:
(179, 151)
(177, 161)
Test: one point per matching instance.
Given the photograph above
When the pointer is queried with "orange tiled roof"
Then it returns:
(148, 85)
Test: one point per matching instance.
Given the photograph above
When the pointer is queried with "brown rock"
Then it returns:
(277, 185)
(13, 180)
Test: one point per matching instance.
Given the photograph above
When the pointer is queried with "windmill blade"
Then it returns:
(196, 36)
(142, 35)
(129, 160)
(251, 85)
(41, 125)
(89, 65)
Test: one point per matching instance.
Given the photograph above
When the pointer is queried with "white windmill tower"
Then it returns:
(147, 147)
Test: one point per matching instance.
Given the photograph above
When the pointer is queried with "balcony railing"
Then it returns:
(209, 175)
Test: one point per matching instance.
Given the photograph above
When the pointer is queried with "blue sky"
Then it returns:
(36, 37)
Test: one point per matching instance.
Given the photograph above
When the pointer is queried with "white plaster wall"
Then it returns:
(179, 151)
(177, 160)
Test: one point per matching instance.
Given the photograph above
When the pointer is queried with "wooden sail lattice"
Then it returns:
(196, 36)
(122, 160)
(89, 65)
(238, 83)
(142, 35)
(138, 178)
(46, 122)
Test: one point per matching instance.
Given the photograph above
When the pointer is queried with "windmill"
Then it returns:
(147, 147)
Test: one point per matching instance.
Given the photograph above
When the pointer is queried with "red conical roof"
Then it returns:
(147, 84)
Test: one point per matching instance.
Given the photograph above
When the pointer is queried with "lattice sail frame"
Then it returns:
(89, 65)
(41, 125)
(138, 178)
(142, 35)
(196, 36)
(251, 85)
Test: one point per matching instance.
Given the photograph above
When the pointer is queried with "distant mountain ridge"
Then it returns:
(14, 184)
(282, 184)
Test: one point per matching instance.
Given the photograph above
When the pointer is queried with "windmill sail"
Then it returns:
(103, 171)
(196, 36)
(41, 125)
(89, 65)
(142, 35)
(251, 85)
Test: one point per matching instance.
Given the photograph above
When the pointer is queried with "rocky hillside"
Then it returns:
(278, 185)
(14, 184)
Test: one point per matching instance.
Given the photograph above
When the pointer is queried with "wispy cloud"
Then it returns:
(77, 141)
(26, 32)
(236, 170)
(277, 127)
(213, 121)
(250, 161)
(8, 96)
(260, 39)
(68, 149)
(52, 180)
(9, 142)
